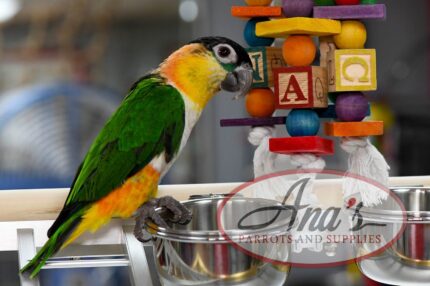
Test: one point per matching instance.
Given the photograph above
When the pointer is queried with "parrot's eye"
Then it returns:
(225, 54)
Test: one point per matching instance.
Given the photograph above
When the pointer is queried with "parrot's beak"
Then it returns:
(239, 80)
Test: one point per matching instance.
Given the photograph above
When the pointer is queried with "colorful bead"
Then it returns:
(297, 8)
(260, 102)
(332, 97)
(250, 37)
(324, 2)
(299, 50)
(258, 2)
(302, 122)
(347, 2)
(352, 36)
(352, 106)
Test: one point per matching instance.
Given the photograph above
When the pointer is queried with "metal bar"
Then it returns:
(26, 251)
(139, 268)
(87, 263)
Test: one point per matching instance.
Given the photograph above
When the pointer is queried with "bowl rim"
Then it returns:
(213, 236)
(393, 216)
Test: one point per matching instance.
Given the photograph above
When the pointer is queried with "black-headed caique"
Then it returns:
(143, 138)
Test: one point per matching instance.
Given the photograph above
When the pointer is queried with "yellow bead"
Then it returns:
(352, 36)
(258, 2)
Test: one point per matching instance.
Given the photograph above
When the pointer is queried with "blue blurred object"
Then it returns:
(46, 129)
(303, 122)
(252, 39)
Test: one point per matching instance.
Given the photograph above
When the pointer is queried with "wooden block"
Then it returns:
(344, 12)
(301, 87)
(281, 28)
(354, 129)
(296, 145)
(256, 11)
(264, 61)
(267, 121)
(351, 70)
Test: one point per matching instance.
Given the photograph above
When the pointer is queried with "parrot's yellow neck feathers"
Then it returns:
(195, 72)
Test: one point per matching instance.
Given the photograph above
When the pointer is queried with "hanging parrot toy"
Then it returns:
(119, 176)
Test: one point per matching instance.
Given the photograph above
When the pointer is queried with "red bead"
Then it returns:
(347, 2)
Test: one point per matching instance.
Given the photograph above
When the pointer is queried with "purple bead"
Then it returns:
(297, 8)
(351, 106)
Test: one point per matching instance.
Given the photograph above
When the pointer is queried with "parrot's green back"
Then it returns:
(150, 121)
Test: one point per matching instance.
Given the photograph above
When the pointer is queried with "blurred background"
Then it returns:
(66, 65)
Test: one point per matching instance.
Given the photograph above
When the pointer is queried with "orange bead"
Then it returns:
(260, 102)
(299, 50)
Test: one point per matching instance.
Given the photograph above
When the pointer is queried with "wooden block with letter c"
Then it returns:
(351, 70)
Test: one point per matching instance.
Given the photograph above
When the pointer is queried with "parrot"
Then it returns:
(120, 173)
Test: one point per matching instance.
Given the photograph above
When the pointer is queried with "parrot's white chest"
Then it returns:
(192, 115)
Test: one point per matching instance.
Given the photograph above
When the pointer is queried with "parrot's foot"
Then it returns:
(180, 214)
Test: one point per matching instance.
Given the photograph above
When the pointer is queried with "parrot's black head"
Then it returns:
(234, 59)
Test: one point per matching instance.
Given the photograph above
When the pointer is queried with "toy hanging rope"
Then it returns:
(365, 161)
(264, 160)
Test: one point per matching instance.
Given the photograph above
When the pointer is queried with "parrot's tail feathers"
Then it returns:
(35, 265)
(54, 243)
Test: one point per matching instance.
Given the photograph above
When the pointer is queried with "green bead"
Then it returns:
(332, 96)
(324, 2)
(365, 2)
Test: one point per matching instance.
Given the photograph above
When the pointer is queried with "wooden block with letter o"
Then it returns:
(301, 87)
(352, 70)
(354, 129)
(264, 61)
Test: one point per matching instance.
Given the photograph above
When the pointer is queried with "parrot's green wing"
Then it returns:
(150, 121)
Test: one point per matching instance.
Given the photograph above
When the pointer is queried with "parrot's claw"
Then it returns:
(147, 211)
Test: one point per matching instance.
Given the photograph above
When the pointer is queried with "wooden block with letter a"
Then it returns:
(264, 61)
(306, 144)
(354, 129)
(301, 87)
(352, 70)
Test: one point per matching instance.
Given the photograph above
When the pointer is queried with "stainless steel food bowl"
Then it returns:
(199, 254)
(413, 245)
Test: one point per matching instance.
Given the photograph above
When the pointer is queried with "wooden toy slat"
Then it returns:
(255, 11)
(307, 144)
(344, 12)
(354, 129)
(281, 28)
